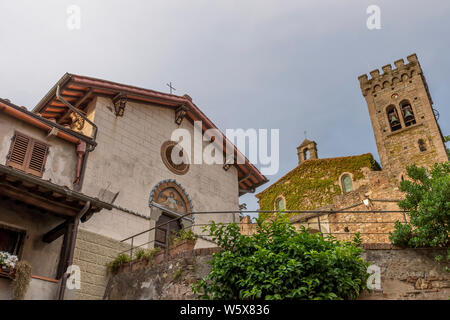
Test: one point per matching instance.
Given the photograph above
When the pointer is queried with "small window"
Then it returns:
(393, 118)
(346, 182)
(408, 114)
(27, 154)
(422, 146)
(280, 204)
(169, 148)
(11, 240)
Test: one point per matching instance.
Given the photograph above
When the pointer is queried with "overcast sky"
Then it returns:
(291, 65)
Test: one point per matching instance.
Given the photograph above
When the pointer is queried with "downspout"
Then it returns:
(72, 240)
(82, 151)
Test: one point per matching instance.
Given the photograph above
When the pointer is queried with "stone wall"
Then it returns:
(405, 274)
(170, 279)
(92, 253)
(374, 227)
(408, 274)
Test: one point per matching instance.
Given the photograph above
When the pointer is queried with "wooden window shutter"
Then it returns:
(38, 157)
(27, 154)
(18, 151)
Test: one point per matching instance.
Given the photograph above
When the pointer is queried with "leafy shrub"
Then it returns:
(402, 234)
(279, 262)
(120, 260)
(427, 204)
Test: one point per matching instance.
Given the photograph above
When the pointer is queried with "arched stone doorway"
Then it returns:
(171, 195)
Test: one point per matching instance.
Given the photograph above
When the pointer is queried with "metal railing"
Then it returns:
(320, 223)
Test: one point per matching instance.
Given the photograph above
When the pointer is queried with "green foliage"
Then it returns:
(314, 183)
(146, 254)
(402, 234)
(21, 281)
(427, 203)
(120, 260)
(279, 262)
(447, 139)
(182, 235)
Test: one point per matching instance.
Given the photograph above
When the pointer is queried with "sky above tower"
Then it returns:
(288, 65)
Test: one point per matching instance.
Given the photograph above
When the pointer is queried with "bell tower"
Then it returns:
(403, 119)
(307, 150)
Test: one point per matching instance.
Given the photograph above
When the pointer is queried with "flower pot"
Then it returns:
(7, 273)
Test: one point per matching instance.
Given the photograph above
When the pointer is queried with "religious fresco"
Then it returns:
(172, 200)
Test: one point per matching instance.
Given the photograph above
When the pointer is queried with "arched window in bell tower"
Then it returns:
(408, 114)
(393, 118)
(306, 154)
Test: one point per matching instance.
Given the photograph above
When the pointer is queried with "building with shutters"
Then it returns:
(90, 166)
(406, 131)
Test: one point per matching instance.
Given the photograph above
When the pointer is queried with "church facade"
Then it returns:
(109, 147)
(406, 132)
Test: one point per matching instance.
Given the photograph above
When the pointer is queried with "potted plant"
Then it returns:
(182, 241)
(7, 264)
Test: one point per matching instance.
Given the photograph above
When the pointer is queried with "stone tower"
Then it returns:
(307, 150)
(403, 119)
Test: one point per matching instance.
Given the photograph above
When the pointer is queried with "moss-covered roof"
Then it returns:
(314, 183)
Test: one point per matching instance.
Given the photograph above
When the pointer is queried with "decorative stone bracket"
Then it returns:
(180, 113)
(120, 101)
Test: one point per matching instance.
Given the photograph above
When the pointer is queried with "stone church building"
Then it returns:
(406, 131)
(91, 166)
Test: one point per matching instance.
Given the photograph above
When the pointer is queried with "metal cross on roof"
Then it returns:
(170, 86)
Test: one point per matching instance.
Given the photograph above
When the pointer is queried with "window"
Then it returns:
(280, 204)
(422, 146)
(27, 154)
(408, 114)
(393, 118)
(178, 167)
(346, 182)
(11, 240)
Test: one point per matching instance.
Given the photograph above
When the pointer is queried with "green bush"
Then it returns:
(402, 234)
(427, 204)
(279, 262)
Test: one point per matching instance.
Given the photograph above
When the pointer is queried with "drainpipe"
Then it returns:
(72, 233)
(82, 152)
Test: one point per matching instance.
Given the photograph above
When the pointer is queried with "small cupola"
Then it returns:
(307, 150)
